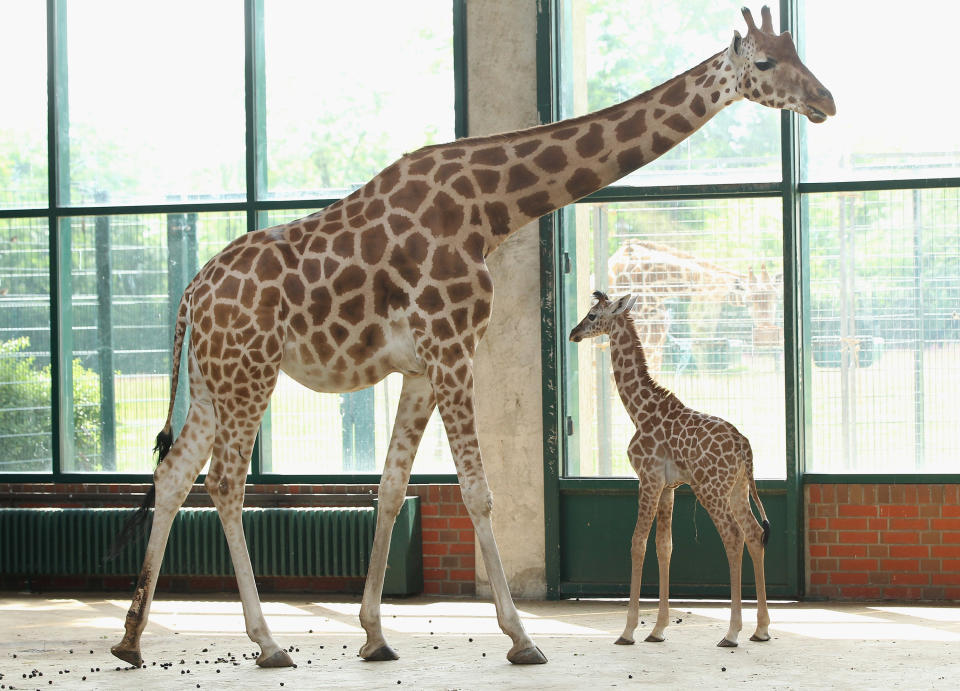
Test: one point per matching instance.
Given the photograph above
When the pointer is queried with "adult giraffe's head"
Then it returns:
(601, 315)
(769, 71)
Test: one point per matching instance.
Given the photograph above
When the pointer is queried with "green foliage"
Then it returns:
(26, 439)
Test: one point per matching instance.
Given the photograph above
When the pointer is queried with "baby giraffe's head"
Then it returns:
(601, 316)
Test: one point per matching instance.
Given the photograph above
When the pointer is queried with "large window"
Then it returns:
(864, 335)
(157, 148)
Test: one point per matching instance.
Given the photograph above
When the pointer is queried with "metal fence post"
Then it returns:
(108, 413)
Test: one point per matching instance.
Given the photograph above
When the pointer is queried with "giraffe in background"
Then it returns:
(393, 278)
(654, 273)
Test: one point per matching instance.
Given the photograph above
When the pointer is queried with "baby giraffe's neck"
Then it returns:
(643, 398)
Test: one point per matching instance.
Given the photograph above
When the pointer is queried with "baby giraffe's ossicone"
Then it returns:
(673, 445)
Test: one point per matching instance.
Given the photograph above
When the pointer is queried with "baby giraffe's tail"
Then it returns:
(764, 523)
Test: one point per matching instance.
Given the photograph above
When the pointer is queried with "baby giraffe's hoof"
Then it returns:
(724, 643)
(760, 639)
(527, 656)
(381, 654)
(131, 657)
(623, 641)
(654, 639)
(278, 659)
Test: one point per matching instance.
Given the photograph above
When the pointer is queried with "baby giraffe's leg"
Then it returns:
(753, 534)
(664, 550)
(726, 524)
(648, 500)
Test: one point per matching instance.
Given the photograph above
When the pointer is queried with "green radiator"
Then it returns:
(297, 542)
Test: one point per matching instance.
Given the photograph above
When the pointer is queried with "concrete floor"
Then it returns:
(62, 641)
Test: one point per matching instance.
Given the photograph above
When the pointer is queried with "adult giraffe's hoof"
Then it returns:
(128, 655)
(654, 639)
(527, 656)
(278, 659)
(724, 643)
(381, 654)
(623, 641)
(760, 639)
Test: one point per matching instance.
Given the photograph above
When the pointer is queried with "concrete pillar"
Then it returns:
(502, 81)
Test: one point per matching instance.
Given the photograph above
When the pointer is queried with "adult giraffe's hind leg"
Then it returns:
(413, 412)
(456, 404)
(238, 420)
(172, 481)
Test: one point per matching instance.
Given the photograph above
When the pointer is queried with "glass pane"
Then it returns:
(23, 117)
(127, 274)
(708, 278)
(26, 436)
(617, 49)
(321, 433)
(878, 132)
(885, 331)
(344, 104)
(155, 115)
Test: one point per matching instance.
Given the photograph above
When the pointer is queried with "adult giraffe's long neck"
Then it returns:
(642, 397)
(505, 181)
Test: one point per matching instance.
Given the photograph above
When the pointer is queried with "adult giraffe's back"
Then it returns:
(393, 278)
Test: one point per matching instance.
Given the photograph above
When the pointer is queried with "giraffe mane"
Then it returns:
(645, 377)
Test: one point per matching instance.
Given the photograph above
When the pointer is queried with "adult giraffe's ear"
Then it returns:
(736, 48)
(624, 304)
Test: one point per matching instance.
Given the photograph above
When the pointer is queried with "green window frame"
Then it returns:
(794, 194)
(254, 208)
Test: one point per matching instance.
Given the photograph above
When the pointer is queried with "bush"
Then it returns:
(26, 428)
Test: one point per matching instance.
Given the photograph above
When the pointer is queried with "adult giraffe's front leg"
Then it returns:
(413, 413)
(453, 385)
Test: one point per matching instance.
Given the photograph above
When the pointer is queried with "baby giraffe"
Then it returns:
(675, 444)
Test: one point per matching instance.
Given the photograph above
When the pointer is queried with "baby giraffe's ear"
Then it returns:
(624, 304)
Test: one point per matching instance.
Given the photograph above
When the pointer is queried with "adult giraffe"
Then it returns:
(393, 278)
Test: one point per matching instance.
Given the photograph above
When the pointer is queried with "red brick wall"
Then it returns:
(449, 566)
(448, 538)
(883, 541)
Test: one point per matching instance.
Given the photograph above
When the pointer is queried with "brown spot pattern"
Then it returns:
(490, 156)
(552, 159)
(591, 143)
(519, 177)
(444, 216)
(487, 179)
(373, 243)
(410, 196)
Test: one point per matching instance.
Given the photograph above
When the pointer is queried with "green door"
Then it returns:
(710, 314)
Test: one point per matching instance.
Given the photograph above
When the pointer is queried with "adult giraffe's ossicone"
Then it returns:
(393, 278)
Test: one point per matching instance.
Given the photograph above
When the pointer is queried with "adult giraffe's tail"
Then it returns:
(137, 523)
(764, 523)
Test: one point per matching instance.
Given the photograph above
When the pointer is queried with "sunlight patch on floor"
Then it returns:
(929, 613)
(48, 605)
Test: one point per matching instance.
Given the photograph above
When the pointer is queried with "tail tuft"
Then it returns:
(164, 442)
(134, 526)
(766, 532)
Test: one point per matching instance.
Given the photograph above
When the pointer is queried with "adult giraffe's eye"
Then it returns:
(591, 317)
(764, 65)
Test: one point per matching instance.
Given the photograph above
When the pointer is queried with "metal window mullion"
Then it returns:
(255, 156)
(796, 358)
(461, 127)
(61, 394)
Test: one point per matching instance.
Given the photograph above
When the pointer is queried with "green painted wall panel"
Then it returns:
(596, 529)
